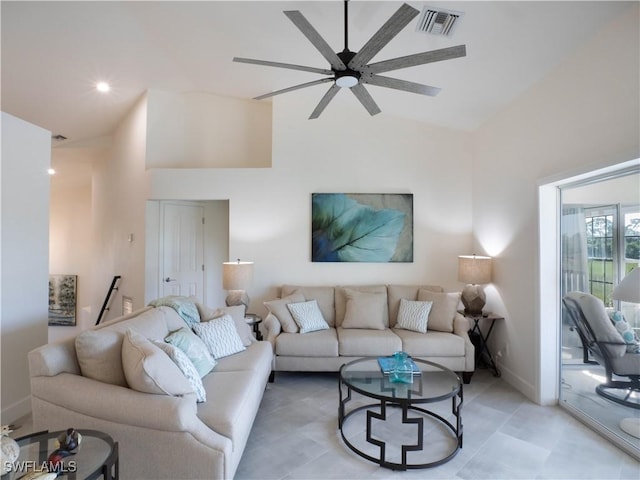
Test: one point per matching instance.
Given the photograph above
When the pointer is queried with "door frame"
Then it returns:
(216, 246)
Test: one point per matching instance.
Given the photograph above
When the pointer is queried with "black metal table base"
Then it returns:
(419, 445)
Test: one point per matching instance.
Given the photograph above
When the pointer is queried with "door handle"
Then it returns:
(167, 280)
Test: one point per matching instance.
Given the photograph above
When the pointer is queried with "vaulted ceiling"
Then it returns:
(53, 53)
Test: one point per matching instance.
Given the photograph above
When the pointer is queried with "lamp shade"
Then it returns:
(628, 290)
(474, 269)
(237, 275)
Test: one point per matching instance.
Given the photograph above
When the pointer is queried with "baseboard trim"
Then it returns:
(16, 410)
(518, 383)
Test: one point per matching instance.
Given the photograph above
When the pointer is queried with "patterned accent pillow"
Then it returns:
(413, 315)
(308, 316)
(623, 327)
(195, 349)
(220, 336)
(186, 367)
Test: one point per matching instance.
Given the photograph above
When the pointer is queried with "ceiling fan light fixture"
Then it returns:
(347, 81)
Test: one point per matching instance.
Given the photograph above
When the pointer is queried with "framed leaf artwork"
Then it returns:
(357, 227)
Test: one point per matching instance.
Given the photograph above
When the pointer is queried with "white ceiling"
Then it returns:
(54, 52)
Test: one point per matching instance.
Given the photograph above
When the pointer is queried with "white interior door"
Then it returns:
(182, 250)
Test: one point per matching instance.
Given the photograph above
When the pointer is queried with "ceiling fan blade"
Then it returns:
(417, 59)
(267, 63)
(314, 37)
(390, 29)
(367, 102)
(295, 87)
(397, 84)
(324, 101)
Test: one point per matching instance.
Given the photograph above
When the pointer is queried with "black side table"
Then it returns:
(254, 321)
(483, 354)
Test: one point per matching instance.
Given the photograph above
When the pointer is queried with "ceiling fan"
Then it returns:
(351, 69)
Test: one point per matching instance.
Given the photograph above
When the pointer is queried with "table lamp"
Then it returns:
(628, 290)
(474, 270)
(236, 278)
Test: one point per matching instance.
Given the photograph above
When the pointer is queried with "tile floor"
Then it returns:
(506, 436)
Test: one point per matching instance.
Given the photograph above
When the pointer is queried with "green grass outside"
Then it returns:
(602, 271)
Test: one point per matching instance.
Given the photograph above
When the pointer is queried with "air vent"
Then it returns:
(438, 21)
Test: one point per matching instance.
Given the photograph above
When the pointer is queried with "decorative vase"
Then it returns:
(402, 370)
(10, 451)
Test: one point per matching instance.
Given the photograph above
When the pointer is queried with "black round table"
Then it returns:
(96, 457)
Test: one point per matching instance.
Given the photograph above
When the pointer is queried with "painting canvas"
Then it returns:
(62, 300)
(356, 227)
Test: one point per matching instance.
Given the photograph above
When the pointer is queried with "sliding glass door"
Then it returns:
(600, 244)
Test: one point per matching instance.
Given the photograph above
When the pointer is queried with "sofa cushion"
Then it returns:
(323, 343)
(100, 355)
(233, 399)
(364, 310)
(367, 343)
(323, 295)
(341, 300)
(279, 309)
(443, 310)
(220, 336)
(308, 316)
(257, 357)
(431, 344)
(410, 292)
(413, 315)
(194, 348)
(148, 369)
(185, 365)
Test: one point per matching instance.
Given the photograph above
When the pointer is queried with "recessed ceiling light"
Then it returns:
(103, 87)
(51, 171)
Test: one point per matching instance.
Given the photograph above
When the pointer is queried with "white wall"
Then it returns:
(195, 130)
(119, 200)
(585, 113)
(70, 229)
(343, 151)
(26, 154)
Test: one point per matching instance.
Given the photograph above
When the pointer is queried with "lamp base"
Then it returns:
(237, 297)
(473, 299)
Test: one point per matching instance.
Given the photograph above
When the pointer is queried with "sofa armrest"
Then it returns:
(461, 328)
(273, 328)
(460, 325)
(115, 403)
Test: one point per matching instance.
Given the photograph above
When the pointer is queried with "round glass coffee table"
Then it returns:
(96, 457)
(401, 432)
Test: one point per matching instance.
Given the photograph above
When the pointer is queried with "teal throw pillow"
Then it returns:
(623, 327)
(196, 350)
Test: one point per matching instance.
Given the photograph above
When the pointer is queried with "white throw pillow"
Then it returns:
(365, 310)
(148, 369)
(186, 367)
(220, 336)
(414, 315)
(308, 316)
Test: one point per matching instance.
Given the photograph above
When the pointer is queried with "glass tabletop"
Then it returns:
(433, 384)
(96, 450)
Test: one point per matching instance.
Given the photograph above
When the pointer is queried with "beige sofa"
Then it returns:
(445, 342)
(159, 435)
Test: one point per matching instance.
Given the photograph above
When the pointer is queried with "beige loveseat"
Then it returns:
(160, 435)
(363, 322)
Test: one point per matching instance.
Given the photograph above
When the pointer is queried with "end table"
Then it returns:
(484, 339)
(254, 321)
